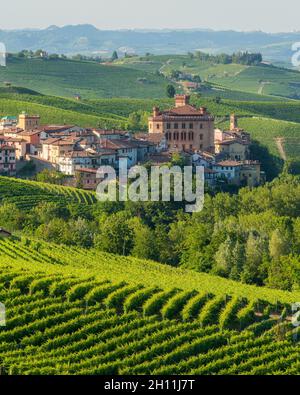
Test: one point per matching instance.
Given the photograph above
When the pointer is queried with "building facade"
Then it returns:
(185, 127)
(7, 160)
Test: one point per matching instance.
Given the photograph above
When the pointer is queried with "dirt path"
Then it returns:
(279, 143)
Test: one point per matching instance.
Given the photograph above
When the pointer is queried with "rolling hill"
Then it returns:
(73, 39)
(259, 80)
(265, 120)
(75, 311)
(62, 77)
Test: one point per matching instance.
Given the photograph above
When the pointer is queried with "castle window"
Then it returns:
(201, 136)
(183, 126)
(175, 125)
(201, 146)
(157, 126)
(191, 126)
(201, 126)
(168, 125)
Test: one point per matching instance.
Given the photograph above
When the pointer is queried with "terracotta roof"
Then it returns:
(87, 170)
(123, 143)
(55, 128)
(29, 132)
(50, 140)
(155, 138)
(188, 109)
(230, 141)
(228, 163)
(15, 140)
(109, 132)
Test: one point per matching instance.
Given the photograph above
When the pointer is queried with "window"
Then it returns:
(183, 126)
(191, 125)
(201, 136)
(201, 146)
(175, 125)
(201, 126)
(168, 125)
(157, 126)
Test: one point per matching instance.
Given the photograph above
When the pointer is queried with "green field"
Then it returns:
(72, 311)
(271, 119)
(27, 194)
(89, 79)
(261, 80)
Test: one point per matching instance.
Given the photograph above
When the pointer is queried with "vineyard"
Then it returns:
(64, 319)
(27, 194)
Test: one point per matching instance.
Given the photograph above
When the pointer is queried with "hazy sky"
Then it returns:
(266, 15)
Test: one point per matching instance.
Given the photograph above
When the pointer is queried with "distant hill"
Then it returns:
(61, 77)
(88, 39)
(226, 80)
(147, 77)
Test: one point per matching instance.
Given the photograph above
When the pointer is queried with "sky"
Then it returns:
(242, 15)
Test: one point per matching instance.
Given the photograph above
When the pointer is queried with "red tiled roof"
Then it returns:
(231, 163)
(188, 109)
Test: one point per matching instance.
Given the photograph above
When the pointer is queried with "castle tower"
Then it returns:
(233, 122)
(181, 100)
(28, 122)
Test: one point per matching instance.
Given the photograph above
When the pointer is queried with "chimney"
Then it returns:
(181, 100)
(233, 122)
(155, 111)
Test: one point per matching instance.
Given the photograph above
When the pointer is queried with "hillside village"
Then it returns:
(78, 152)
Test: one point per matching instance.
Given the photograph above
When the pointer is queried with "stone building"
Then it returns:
(185, 127)
(28, 122)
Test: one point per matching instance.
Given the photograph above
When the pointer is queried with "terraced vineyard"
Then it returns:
(72, 311)
(27, 194)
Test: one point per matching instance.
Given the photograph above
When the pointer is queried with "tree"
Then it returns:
(114, 56)
(11, 218)
(278, 245)
(170, 91)
(50, 176)
(81, 232)
(256, 253)
(115, 235)
(56, 231)
(144, 242)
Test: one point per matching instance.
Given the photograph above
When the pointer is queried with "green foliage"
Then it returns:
(170, 91)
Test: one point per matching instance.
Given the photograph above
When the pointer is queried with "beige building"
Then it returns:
(232, 149)
(28, 122)
(185, 127)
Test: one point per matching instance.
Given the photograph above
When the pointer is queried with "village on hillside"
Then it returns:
(78, 152)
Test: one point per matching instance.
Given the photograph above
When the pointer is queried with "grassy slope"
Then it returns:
(60, 324)
(89, 79)
(102, 266)
(257, 80)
